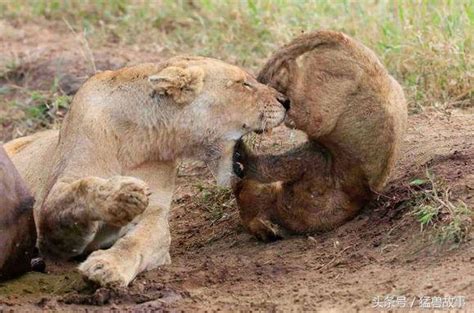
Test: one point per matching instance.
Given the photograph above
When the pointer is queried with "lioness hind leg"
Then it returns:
(71, 215)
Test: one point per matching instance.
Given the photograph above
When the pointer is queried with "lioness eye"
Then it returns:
(249, 86)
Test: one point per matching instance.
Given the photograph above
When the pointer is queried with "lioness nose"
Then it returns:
(285, 102)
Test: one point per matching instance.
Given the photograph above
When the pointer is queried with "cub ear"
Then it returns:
(279, 77)
(181, 84)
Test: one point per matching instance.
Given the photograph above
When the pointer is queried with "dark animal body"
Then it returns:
(354, 114)
(17, 227)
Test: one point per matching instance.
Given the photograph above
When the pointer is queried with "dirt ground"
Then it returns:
(216, 265)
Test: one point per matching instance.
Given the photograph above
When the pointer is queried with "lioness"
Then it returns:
(354, 114)
(106, 178)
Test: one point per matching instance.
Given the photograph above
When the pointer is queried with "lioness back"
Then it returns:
(32, 156)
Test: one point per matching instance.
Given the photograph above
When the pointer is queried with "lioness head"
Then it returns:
(216, 103)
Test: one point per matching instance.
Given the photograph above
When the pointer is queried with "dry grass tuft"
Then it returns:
(448, 222)
(217, 202)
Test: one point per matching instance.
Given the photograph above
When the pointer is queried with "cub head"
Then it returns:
(217, 103)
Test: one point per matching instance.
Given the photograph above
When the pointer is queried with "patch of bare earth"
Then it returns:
(35, 57)
(217, 266)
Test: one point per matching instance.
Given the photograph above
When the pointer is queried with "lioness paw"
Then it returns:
(121, 199)
(104, 269)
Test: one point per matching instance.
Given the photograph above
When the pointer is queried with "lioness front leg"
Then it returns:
(71, 215)
(145, 247)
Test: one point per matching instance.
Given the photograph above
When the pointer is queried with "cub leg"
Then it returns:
(145, 246)
(268, 210)
(256, 203)
(72, 212)
(265, 180)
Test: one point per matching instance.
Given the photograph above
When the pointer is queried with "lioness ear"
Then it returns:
(182, 84)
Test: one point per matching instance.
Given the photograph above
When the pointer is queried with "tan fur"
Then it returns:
(107, 177)
(181, 84)
(354, 114)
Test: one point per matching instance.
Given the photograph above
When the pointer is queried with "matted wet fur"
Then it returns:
(354, 114)
(17, 228)
(106, 178)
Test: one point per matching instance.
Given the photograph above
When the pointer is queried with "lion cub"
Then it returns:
(354, 114)
(106, 178)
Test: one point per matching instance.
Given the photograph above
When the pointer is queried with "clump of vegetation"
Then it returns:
(25, 109)
(46, 108)
(32, 110)
(11, 70)
(427, 45)
(218, 202)
(449, 223)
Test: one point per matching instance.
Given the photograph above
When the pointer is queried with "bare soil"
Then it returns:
(216, 265)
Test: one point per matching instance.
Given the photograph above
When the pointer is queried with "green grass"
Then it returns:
(448, 222)
(33, 110)
(427, 45)
(218, 202)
